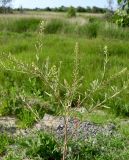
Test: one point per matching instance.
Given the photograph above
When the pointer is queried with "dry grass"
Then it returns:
(81, 18)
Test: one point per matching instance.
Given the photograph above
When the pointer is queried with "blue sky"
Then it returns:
(57, 3)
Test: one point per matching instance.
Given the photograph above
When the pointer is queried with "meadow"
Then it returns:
(19, 34)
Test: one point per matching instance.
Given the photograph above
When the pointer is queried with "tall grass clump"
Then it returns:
(92, 29)
(23, 25)
(62, 94)
(89, 30)
(110, 30)
(5, 141)
(55, 26)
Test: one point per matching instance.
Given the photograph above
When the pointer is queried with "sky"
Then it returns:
(57, 3)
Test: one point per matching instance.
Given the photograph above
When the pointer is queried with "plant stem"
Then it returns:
(65, 138)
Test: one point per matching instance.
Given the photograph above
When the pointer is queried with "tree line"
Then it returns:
(93, 9)
(5, 7)
(88, 9)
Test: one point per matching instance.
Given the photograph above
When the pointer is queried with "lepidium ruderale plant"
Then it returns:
(50, 77)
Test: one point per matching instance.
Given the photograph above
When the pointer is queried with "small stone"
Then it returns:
(38, 126)
(60, 127)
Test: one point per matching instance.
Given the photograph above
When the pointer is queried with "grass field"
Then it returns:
(18, 36)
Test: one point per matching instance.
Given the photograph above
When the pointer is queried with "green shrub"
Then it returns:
(71, 12)
(92, 19)
(92, 29)
(121, 18)
(41, 145)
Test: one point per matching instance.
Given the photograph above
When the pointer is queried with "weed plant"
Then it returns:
(62, 95)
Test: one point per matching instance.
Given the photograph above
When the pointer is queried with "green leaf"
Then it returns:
(119, 1)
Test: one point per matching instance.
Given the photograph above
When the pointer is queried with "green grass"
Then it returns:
(5, 141)
(44, 146)
(85, 27)
(19, 25)
(61, 48)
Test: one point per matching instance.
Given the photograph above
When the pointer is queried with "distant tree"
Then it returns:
(21, 9)
(35, 9)
(71, 12)
(98, 10)
(47, 9)
(110, 4)
(5, 2)
(5, 5)
(88, 9)
(81, 9)
(62, 9)
(109, 10)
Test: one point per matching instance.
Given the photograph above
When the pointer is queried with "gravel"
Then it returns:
(8, 124)
(76, 129)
